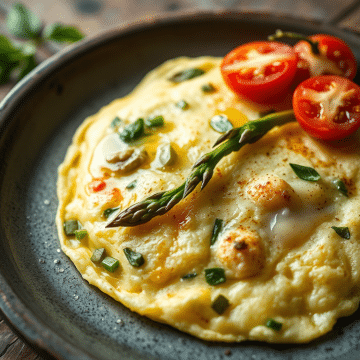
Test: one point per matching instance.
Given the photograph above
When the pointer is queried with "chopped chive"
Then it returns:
(80, 234)
(186, 75)
(133, 131)
(221, 123)
(109, 211)
(131, 185)
(189, 276)
(116, 122)
(273, 324)
(220, 304)
(70, 226)
(110, 264)
(208, 88)
(305, 172)
(339, 184)
(344, 232)
(182, 104)
(215, 276)
(134, 258)
(98, 255)
(216, 231)
(155, 121)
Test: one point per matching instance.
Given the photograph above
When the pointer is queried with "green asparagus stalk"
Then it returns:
(202, 171)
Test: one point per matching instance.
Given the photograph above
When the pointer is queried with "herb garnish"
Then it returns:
(186, 75)
(134, 258)
(155, 121)
(216, 230)
(215, 276)
(116, 122)
(189, 276)
(339, 184)
(131, 185)
(109, 211)
(70, 226)
(208, 88)
(98, 255)
(80, 234)
(133, 131)
(221, 123)
(220, 304)
(273, 324)
(110, 264)
(305, 172)
(182, 104)
(344, 232)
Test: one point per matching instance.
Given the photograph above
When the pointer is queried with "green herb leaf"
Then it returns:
(339, 184)
(220, 304)
(273, 324)
(134, 258)
(208, 88)
(110, 264)
(215, 276)
(344, 232)
(21, 22)
(109, 211)
(131, 185)
(98, 255)
(221, 123)
(62, 33)
(133, 131)
(80, 234)
(155, 121)
(116, 122)
(70, 226)
(305, 172)
(186, 75)
(182, 104)
(189, 276)
(216, 230)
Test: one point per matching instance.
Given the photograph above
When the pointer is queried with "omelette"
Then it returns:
(259, 253)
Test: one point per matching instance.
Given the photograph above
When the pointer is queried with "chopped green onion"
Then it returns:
(133, 131)
(70, 226)
(80, 234)
(182, 104)
(221, 123)
(116, 122)
(134, 258)
(131, 185)
(109, 211)
(208, 88)
(186, 75)
(220, 304)
(339, 184)
(155, 121)
(165, 155)
(215, 276)
(216, 231)
(110, 264)
(273, 324)
(305, 172)
(98, 255)
(344, 232)
(189, 276)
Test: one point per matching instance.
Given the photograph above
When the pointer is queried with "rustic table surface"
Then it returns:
(93, 16)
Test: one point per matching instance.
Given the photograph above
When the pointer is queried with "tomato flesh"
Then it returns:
(328, 106)
(260, 71)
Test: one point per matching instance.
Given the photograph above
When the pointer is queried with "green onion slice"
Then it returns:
(70, 226)
(305, 172)
(215, 276)
(155, 121)
(98, 255)
(186, 75)
(80, 234)
(344, 232)
(273, 324)
(110, 264)
(134, 258)
(189, 276)
(221, 123)
(131, 185)
(339, 184)
(133, 131)
(182, 104)
(216, 231)
(109, 211)
(220, 304)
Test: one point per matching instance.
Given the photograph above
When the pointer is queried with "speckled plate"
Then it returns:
(42, 295)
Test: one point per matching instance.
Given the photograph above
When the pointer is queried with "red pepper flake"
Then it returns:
(97, 185)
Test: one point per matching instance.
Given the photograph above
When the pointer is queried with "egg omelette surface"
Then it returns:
(257, 254)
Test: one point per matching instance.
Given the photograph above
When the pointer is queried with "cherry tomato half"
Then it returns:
(260, 71)
(327, 107)
(335, 58)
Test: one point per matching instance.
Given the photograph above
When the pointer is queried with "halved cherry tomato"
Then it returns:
(260, 71)
(327, 107)
(335, 58)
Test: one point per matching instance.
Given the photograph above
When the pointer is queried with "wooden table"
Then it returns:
(93, 16)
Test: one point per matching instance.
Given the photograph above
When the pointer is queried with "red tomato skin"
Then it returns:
(326, 129)
(332, 48)
(269, 89)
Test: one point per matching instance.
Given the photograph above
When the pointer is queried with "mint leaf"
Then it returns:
(21, 22)
(62, 33)
(305, 172)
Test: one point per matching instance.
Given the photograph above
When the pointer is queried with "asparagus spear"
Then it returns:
(202, 171)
